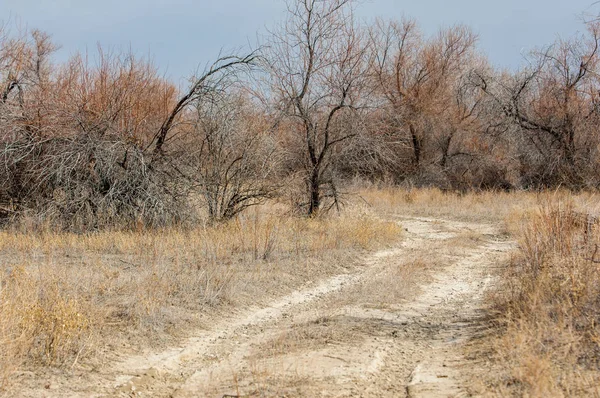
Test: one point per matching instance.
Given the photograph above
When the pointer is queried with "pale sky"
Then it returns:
(182, 35)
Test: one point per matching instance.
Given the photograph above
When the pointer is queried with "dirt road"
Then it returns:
(394, 327)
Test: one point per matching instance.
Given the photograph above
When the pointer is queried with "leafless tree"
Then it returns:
(231, 155)
(209, 82)
(318, 63)
(421, 88)
(554, 105)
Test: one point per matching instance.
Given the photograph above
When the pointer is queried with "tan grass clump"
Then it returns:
(43, 320)
(550, 304)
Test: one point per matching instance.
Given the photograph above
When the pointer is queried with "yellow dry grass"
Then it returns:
(66, 298)
(492, 206)
(549, 307)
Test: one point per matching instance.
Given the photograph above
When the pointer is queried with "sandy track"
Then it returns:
(178, 371)
(328, 340)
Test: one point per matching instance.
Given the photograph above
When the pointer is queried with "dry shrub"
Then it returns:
(85, 182)
(42, 320)
(551, 305)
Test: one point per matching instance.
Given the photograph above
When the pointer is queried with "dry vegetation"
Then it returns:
(91, 144)
(132, 211)
(544, 338)
(72, 298)
(490, 206)
(548, 306)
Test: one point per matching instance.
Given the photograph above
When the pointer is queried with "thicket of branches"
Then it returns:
(89, 144)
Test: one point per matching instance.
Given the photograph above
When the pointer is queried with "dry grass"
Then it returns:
(550, 303)
(548, 306)
(309, 336)
(68, 298)
(392, 285)
(491, 206)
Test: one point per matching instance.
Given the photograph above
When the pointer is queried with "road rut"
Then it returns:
(409, 348)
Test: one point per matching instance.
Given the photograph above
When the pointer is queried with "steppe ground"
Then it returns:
(416, 293)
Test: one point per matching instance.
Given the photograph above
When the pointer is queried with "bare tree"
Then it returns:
(208, 82)
(318, 66)
(230, 154)
(421, 88)
(554, 105)
(211, 140)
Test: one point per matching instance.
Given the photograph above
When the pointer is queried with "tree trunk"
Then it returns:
(315, 192)
(446, 149)
(416, 146)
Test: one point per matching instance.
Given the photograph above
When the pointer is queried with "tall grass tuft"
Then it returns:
(550, 304)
